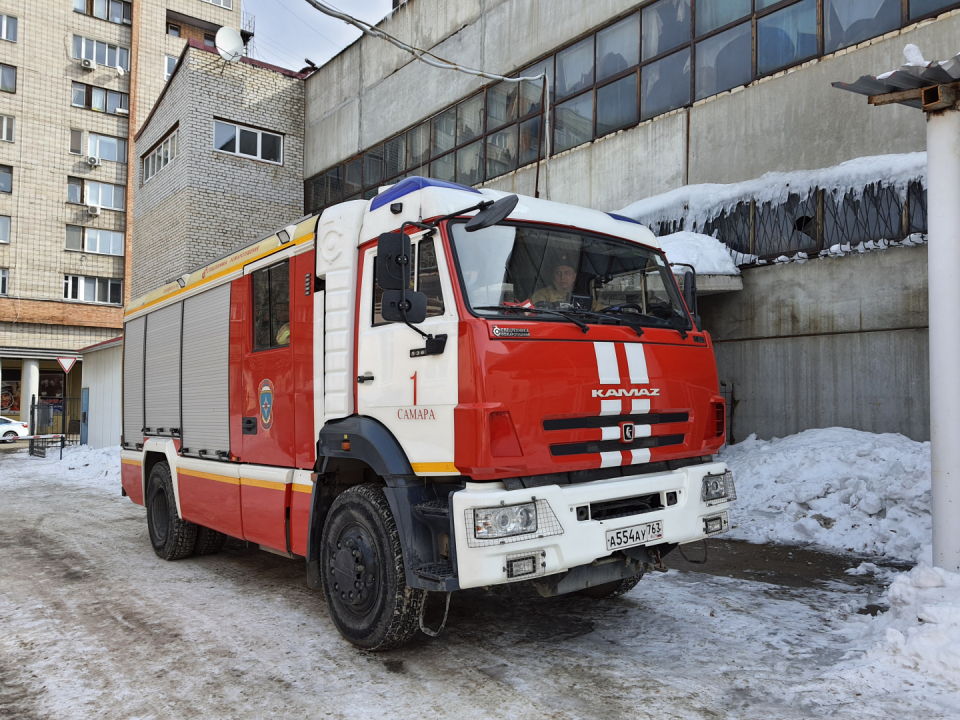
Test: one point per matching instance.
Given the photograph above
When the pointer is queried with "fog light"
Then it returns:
(716, 524)
(521, 567)
(718, 488)
(504, 521)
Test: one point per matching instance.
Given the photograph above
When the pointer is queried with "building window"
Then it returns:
(92, 289)
(919, 8)
(271, 306)
(107, 148)
(209, 40)
(160, 157)
(228, 4)
(100, 99)
(101, 53)
(76, 142)
(115, 11)
(4, 229)
(173, 30)
(169, 63)
(247, 142)
(102, 242)
(104, 195)
(6, 128)
(4, 281)
(8, 28)
(74, 237)
(74, 190)
(8, 78)
(6, 179)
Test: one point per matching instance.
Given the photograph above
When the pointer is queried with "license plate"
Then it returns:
(634, 535)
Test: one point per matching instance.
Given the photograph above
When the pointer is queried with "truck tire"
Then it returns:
(208, 541)
(171, 537)
(362, 573)
(612, 589)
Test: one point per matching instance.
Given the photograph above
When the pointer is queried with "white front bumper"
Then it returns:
(563, 542)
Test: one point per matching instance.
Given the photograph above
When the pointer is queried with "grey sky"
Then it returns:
(287, 31)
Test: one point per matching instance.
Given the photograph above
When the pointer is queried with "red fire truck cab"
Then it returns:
(441, 388)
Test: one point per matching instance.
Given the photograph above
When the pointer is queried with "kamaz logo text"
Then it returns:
(632, 392)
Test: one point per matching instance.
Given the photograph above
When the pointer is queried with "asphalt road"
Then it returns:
(92, 624)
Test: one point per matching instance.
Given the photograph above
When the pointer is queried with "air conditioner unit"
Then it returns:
(88, 64)
(93, 209)
(121, 111)
(93, 161)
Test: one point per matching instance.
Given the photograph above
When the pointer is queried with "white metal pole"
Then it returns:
(943, 213)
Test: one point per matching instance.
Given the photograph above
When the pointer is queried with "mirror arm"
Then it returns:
(482, 205)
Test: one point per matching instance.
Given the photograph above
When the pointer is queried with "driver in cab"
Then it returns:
(561, 289)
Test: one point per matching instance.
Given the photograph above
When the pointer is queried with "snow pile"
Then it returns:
(81, 465)
(841, 488)
(697, 204)
(708, 255)
(921, 631)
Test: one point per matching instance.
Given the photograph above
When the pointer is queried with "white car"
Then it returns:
(11, 429)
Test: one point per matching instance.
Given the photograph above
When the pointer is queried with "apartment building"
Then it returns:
(77, 78)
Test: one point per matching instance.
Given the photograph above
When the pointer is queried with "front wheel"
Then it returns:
(362, 572)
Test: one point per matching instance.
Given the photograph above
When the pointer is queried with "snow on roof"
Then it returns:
(708, 255)
(697, 204)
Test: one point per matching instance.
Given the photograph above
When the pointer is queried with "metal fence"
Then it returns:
(54, 416)
(814, 223)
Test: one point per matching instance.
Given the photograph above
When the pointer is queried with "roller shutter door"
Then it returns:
(133, 381)
(206, 372)
(162, 368)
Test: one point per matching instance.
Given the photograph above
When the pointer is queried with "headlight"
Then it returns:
(718, 488)
(499, 522)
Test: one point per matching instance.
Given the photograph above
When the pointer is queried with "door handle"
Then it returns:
(249, 426)
(366, 377)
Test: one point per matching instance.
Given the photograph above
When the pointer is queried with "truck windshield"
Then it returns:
(568, 271)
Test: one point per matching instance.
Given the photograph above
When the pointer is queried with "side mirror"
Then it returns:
(393, 261)
(492, 214)
(690, 295)
(397, 303)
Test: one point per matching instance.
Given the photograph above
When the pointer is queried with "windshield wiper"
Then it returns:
(641, 317)
(517, 308)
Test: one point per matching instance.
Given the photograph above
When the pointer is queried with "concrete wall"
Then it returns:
(789, 121)
(101, 376)
(833, 341)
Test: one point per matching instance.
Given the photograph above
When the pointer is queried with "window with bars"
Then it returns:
(102, 53)
(161, 156)
(89, 97)
(115, 11)
(663, 56)
(106, 291)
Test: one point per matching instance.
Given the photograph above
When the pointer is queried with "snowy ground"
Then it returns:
(92, 624)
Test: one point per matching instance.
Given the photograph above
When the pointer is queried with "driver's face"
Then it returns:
(564, 277)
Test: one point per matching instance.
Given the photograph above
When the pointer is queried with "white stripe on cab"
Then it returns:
(607, 368)
(636, 363)
(611, 459)
(640, 407)
(610, 407)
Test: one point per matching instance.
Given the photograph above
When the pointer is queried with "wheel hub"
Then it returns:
(354, 570)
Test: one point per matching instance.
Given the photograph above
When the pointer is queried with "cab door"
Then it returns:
(268, 408)
(412, 394)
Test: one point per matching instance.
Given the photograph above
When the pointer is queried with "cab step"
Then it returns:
(438, 572)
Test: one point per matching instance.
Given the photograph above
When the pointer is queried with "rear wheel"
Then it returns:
(10, 436)
(361, 569)
(612, 589)
(171, 537)
(208, 541)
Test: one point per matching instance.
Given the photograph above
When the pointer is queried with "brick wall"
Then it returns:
(206, 203)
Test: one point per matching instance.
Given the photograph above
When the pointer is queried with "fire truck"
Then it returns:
(437, 389)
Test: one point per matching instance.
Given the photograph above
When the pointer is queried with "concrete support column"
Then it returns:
(943, 213)
(29, 386)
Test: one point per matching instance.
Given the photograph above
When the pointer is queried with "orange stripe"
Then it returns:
(124, 461)
(208, 476)
(268, 484)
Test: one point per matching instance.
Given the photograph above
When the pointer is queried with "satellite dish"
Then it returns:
(229, 44)
(120, 71)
